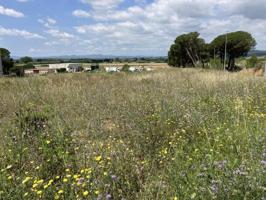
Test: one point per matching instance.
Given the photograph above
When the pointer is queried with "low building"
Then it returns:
(37, 70)
(69, 67)
(112, 69)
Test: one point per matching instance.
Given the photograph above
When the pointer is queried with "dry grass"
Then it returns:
(175, 133)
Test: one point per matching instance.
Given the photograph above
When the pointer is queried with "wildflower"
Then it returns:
(9, 178)
(60, 192)
(80, 181)
(85, 193)
(50, 182)
(48, 141)
(9, 167)
(96, 192)
(57, 177)
(76, 176)
(26, 194)
(98, 158)
(65, 180)
(67, 170)
(40, 181)
(175, 198)
(108, 196)
(26, 180)
(56, 197)
(193, 196)
(39, 192)
(263, 162)
(114, 177)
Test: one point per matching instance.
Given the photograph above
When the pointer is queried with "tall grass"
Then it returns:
(173, 134)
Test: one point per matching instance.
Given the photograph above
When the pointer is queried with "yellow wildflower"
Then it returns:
(96, 192)
(98, 158)
(85, 193)
(60, 192)
(26, 180)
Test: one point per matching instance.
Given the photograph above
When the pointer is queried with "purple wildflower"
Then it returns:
(108, 196)
(114, 177)
(263, 162)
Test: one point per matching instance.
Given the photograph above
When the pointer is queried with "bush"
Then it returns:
(126, 68)
(61, 70)
(29, 66)
(252, 62)
(17, 70)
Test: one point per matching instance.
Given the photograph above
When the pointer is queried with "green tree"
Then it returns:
(252, 61)
(188, 50)
(26, 59)
(7, 61)
(237, 44)
(125, 68)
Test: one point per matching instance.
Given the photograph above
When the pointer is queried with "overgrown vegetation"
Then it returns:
(174, 134)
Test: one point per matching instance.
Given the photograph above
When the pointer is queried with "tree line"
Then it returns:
(192, 50)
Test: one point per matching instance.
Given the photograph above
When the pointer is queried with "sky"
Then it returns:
(121, 27)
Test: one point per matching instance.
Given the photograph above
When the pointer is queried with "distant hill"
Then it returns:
(257, 53)
(93, 56)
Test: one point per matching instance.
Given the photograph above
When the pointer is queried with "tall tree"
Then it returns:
(1, 67)
(26, 59)
(237, 44)
(7, 61)
(188, 50)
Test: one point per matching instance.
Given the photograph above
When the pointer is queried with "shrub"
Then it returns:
(18, 71)
(61, 70)
(126, 68)
(252, 62)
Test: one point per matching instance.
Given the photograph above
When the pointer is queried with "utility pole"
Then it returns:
(1, 66)
(225, 51)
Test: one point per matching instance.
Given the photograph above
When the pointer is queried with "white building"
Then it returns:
(112, 69)
(70, 67)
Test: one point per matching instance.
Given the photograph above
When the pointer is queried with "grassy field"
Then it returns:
(175, 134)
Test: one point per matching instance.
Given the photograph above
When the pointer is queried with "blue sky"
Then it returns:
(121, 27)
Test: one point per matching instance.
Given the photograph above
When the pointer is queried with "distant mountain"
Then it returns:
(93, 56)
(257, 53)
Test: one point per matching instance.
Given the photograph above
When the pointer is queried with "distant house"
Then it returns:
(136, 69)
(37, 70)
(112, 69)
(75, 68)
(69, 67)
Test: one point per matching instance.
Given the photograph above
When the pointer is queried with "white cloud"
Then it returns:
(60, 34)
(103, 4)
(19, 33)
(48, 22)
(81, 14)
(51, 20)
(151, 28)
(10, 12)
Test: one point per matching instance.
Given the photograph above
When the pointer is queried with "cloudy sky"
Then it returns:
(121, 27)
